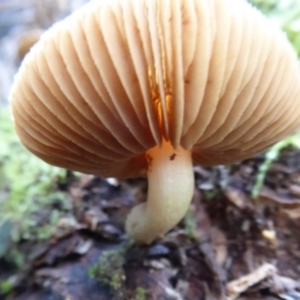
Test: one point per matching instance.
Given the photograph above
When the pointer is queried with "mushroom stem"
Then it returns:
(171, 186)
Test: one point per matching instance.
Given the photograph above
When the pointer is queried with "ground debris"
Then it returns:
(227, 246)
(239, 286)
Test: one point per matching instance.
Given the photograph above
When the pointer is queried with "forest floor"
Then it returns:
(229, 246)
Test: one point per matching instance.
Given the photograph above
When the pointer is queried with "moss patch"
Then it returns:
(28, 191)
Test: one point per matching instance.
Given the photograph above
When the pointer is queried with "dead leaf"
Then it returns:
(237, 197)
(239, 286)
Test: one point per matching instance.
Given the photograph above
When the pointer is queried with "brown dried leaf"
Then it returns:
(239, 286)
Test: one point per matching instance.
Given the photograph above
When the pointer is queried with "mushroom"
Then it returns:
(125, 88)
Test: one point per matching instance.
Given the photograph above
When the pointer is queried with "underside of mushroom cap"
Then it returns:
(117, 77)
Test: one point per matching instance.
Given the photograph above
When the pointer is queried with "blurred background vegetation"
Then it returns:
(32, 200)
(284, 13)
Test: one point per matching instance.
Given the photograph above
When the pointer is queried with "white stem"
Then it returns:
(171, 186)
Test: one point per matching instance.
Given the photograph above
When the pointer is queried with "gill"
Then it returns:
(158, 72)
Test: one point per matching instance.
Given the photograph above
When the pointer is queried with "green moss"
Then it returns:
(190, 225)
(27, 188)
(5, 287)
(140, 293)
(109, 269)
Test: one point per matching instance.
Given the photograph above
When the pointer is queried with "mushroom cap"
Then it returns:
(117, 77)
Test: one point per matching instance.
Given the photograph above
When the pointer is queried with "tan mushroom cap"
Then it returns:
(117, 77)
